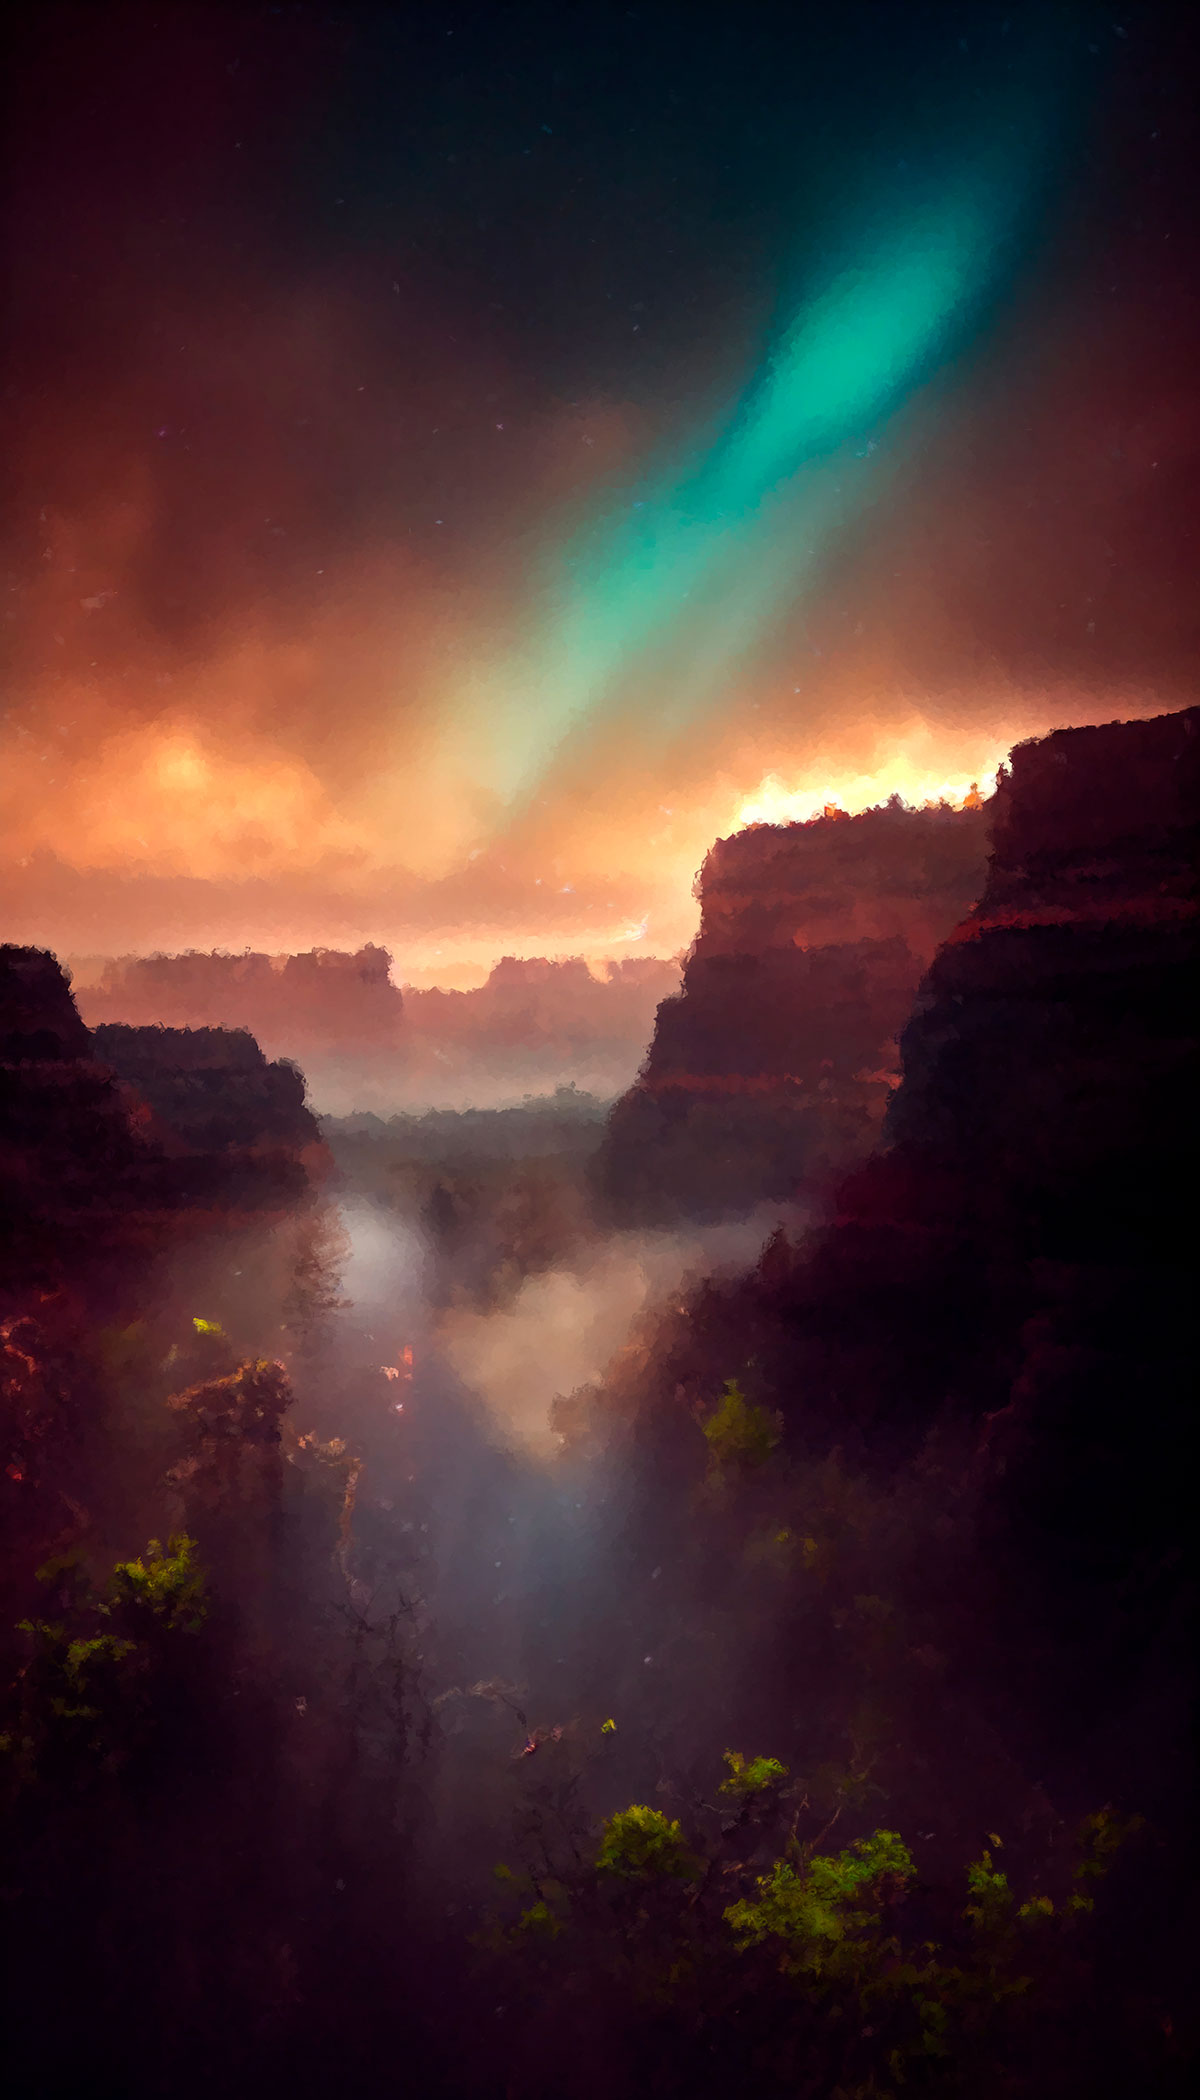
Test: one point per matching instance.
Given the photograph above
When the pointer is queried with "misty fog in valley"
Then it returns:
(515, 1561)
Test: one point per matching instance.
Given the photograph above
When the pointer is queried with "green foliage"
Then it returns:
(811, 1956)
(642, 1843)
(541, 1919)
(166, 1588)
(991, 1902)
(78, 1697)
(67, 1575)
(1100, 1839)
(84, 1699)
(739, 1434)
(748, 1777)
(76, 1677)
(86, 1661)
(1036, 1907)
(810, 1911)
(540, 1922)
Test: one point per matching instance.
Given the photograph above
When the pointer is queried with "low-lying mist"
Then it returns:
(564, 1326)
(530, 1542)
(475, 1234)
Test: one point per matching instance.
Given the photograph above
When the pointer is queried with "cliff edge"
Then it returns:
(772, 1069)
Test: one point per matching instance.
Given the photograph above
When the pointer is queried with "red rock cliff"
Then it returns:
(774, 1065)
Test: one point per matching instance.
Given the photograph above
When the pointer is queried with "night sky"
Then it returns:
(460, 461)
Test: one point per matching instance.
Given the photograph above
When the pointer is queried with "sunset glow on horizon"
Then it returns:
(912, 773)
(349, 599)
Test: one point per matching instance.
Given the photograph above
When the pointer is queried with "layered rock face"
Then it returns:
(1011, 1274)
(1050, 1051)
(229, 1124)
(96, 1130)
(773, 1068)
(1044, 1126)
(39, 1024)
(1023, 1254)
(1044, 1129)
(69, 1154)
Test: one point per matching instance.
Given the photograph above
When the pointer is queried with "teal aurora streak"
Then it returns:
(648, 613)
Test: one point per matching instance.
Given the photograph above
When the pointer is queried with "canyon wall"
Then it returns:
(367, 1045)
(99, 1130)
(1003, 1294)
(1052, 1038)
(70, 1156)
(228, 1124)
(772, 1069)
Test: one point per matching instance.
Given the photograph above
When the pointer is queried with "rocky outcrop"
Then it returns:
(1049, 1058)
(772, 1069)
(69, 1154)
(1044, 1127)
(229, 1125)
(39, 1023)
(99, 1131)
(1004, 1293)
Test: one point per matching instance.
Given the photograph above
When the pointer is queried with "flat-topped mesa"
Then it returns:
(773, 1067)
(887, 874)
(1056, 1027)
(218, 1103)
(100, 1133)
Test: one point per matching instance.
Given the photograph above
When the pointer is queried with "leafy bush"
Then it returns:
(83, 1701)
(642, 1842)
(749, 1777)
(803, 1972)
(739, 1434)
(165, 1588)
(827, 1904)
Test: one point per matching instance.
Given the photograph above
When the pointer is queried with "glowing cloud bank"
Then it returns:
(915, 768)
